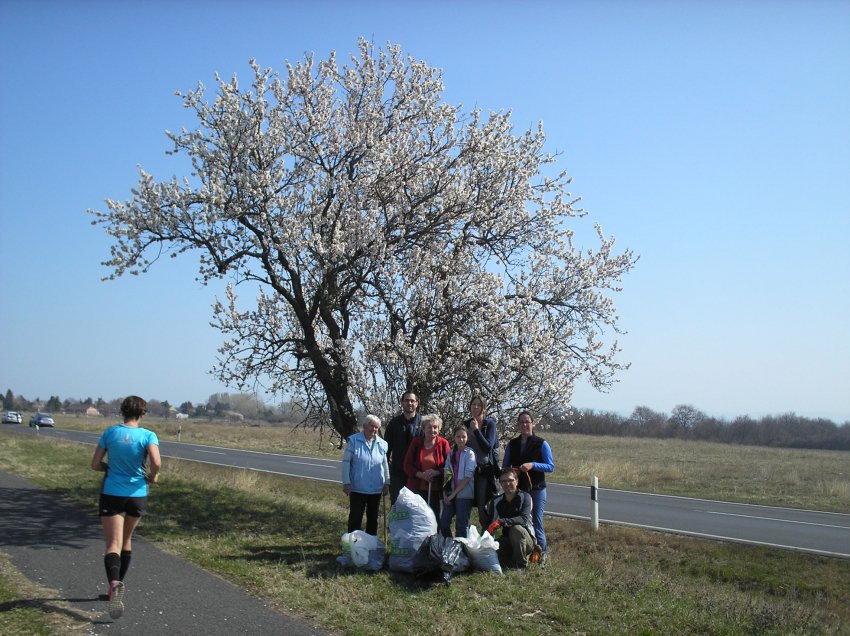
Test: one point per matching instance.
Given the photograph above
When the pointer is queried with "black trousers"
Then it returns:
(358, 502)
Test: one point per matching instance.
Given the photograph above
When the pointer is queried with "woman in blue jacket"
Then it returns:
(365, 475)
(484, 442)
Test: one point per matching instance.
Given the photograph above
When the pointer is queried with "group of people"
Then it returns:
(454, 478)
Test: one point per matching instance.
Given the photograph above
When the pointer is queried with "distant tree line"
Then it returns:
(788, 430)
(218, 406)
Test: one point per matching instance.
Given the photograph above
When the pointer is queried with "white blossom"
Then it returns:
(398, 243)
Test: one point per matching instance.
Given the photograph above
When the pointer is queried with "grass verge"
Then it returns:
(31, 610)
(278, 537)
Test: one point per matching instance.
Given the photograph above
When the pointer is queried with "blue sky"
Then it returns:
(713, 138)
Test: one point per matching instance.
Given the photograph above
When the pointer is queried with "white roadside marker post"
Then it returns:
(594, 497)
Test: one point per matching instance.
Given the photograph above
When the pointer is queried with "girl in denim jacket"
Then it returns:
(459, 492)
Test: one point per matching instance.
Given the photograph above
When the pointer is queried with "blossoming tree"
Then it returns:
(398, 243)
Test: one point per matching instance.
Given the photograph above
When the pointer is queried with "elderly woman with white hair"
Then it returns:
(425, 462)
(365, 475)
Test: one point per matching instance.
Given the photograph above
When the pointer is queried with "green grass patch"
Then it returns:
(278, 538)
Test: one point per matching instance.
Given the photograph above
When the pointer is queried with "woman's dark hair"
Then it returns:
(133, 407)
(459, 427)
(481, 399)
(531, 417)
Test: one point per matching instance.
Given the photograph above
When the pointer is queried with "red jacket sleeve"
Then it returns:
(444, 450)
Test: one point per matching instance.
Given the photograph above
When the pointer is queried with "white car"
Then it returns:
(13, 417)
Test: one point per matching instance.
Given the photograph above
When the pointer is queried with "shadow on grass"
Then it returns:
(49, 606)
(220, 511)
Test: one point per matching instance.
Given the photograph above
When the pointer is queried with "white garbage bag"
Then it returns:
(411, 522)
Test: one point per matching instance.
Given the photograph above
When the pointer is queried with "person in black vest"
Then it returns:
(532, 457)
(400, 432)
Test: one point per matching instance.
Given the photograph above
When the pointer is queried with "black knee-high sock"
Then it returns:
(113, 566)
(125, 563)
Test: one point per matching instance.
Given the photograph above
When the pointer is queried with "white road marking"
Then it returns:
(309, 464)
(805, 523)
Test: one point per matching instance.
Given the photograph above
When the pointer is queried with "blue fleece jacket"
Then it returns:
(363, 467)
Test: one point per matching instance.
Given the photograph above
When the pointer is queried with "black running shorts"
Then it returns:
(111, 505)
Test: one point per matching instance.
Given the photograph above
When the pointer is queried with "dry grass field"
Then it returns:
(793, 478)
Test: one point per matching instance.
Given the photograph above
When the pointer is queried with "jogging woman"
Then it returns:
(124, 492)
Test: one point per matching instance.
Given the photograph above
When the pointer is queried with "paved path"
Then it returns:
(60, 547)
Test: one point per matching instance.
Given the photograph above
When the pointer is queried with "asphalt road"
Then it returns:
(60, 547)
(821, 533)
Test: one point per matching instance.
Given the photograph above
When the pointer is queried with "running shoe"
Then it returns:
(116, 599)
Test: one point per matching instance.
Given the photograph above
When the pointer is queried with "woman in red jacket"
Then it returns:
(425, 461)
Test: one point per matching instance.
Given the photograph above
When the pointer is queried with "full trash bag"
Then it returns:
(362, 550)
(482, 550)
(429, 556)
(442, 555)
(411, 522)
(455, 558)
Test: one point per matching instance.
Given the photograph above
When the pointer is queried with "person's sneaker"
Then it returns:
(542, 561)
(535, 554)
(116, 599)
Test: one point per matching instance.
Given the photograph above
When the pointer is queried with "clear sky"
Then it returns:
(713, 138)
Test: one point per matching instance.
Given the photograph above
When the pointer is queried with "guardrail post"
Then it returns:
(179, 430)
(594, 497)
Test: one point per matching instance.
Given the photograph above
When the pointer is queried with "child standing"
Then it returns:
(458, 491)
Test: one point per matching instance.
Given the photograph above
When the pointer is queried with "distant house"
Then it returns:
(181, 416)
(233, 416)
(82, 409)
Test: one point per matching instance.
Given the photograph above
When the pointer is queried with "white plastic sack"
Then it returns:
(411, 522)
(362, 550)
(482, 550)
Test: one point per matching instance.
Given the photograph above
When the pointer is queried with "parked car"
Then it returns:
(41, 419)
(13, 417)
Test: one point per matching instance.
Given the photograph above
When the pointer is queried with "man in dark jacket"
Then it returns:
(512, 513)
(400, 432)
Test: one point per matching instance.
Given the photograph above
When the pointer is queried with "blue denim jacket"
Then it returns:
(465, 468)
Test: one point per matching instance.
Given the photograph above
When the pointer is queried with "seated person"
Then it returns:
(511, 512)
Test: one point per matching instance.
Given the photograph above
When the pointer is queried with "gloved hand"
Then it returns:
(494, 526)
